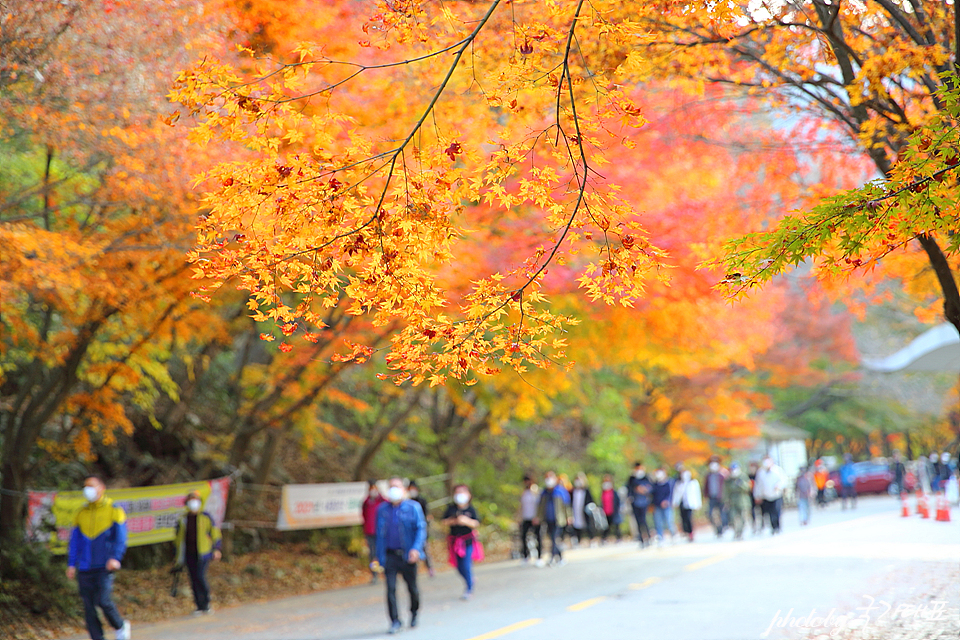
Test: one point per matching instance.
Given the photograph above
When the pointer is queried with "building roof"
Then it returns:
(937, 349)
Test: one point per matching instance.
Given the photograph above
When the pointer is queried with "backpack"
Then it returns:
(598, 517)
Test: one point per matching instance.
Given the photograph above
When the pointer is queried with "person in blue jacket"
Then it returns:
(848, 480)
(97, 544)
(401, 534)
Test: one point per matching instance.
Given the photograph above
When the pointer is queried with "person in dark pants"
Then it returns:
(899, 471)
(198, 541)
(97, 544)
(610, 503)
(768, 491)
(368, 511)
(401, 534)
(529, 500)
(639, 489)
(554, 512)
(848, 482)
(413, 491)
(713, 488)
(752, 469)
(463, 521)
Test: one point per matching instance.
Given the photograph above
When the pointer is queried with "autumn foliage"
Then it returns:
(516, 212)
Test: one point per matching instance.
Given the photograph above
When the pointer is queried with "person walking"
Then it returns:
(848, 479)
(941, 468)
(462, 543)
(803, 489)
(687, 497)
(713, 490)
(97, 544)
(368, 511)
(413, 490)
(639, 490)
(197, 540)
(529, 500)
(580, 501)
(754, 508)
(899, 471)
(554, 511)
(768, 491)
(820, 478)
(610, 503)
(401, 533)
(738, 498)
(661, 496)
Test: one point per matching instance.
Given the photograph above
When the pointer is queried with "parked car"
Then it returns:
(874, 477)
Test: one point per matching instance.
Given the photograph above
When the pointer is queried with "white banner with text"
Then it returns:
(317, 506)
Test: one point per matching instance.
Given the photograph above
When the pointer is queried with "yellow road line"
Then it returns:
(649, 582)
(580, 606)
(508, 629)
(708, 562)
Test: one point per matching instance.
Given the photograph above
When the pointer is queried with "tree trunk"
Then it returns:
(12, 502)
(944, 273)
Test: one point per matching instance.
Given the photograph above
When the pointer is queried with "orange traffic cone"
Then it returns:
(904, 507)
(943, 510)
(922, 507)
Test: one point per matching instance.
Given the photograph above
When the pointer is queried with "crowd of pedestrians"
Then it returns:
(563, 512)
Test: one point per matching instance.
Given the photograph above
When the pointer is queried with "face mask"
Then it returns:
(461, 498)
(414, 493)
(90, 493)
(933, 457)
(714, 466)
(945, 458)
(550, 482)
(639, 474)
(661, 476)
(608, 485)
(735, 473)
(193, 505)
(686, 475)
(395, 494)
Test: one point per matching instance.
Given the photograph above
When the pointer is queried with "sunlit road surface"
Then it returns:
(847, 564)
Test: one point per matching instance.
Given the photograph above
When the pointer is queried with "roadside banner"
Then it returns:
(316, 506)
(152, 512)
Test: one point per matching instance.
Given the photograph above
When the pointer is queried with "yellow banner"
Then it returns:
(152, 512)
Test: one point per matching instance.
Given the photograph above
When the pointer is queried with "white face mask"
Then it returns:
(714, 466)
(661, 476)
(608, 485)
(550, 483)
(193, 505)
(461, 498)
(395, 494)
(735, 473)
(686, 475)
(933, 457)
(945, 458)
(90, 493)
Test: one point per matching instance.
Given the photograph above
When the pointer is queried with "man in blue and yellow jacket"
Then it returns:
(97, 545)
(198, 541)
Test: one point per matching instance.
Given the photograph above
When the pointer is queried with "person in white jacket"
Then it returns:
(687, 496)
(768, 491)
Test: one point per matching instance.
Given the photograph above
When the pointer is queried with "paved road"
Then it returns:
(708, 590)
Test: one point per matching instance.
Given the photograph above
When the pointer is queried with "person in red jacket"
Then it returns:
(369, 511)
